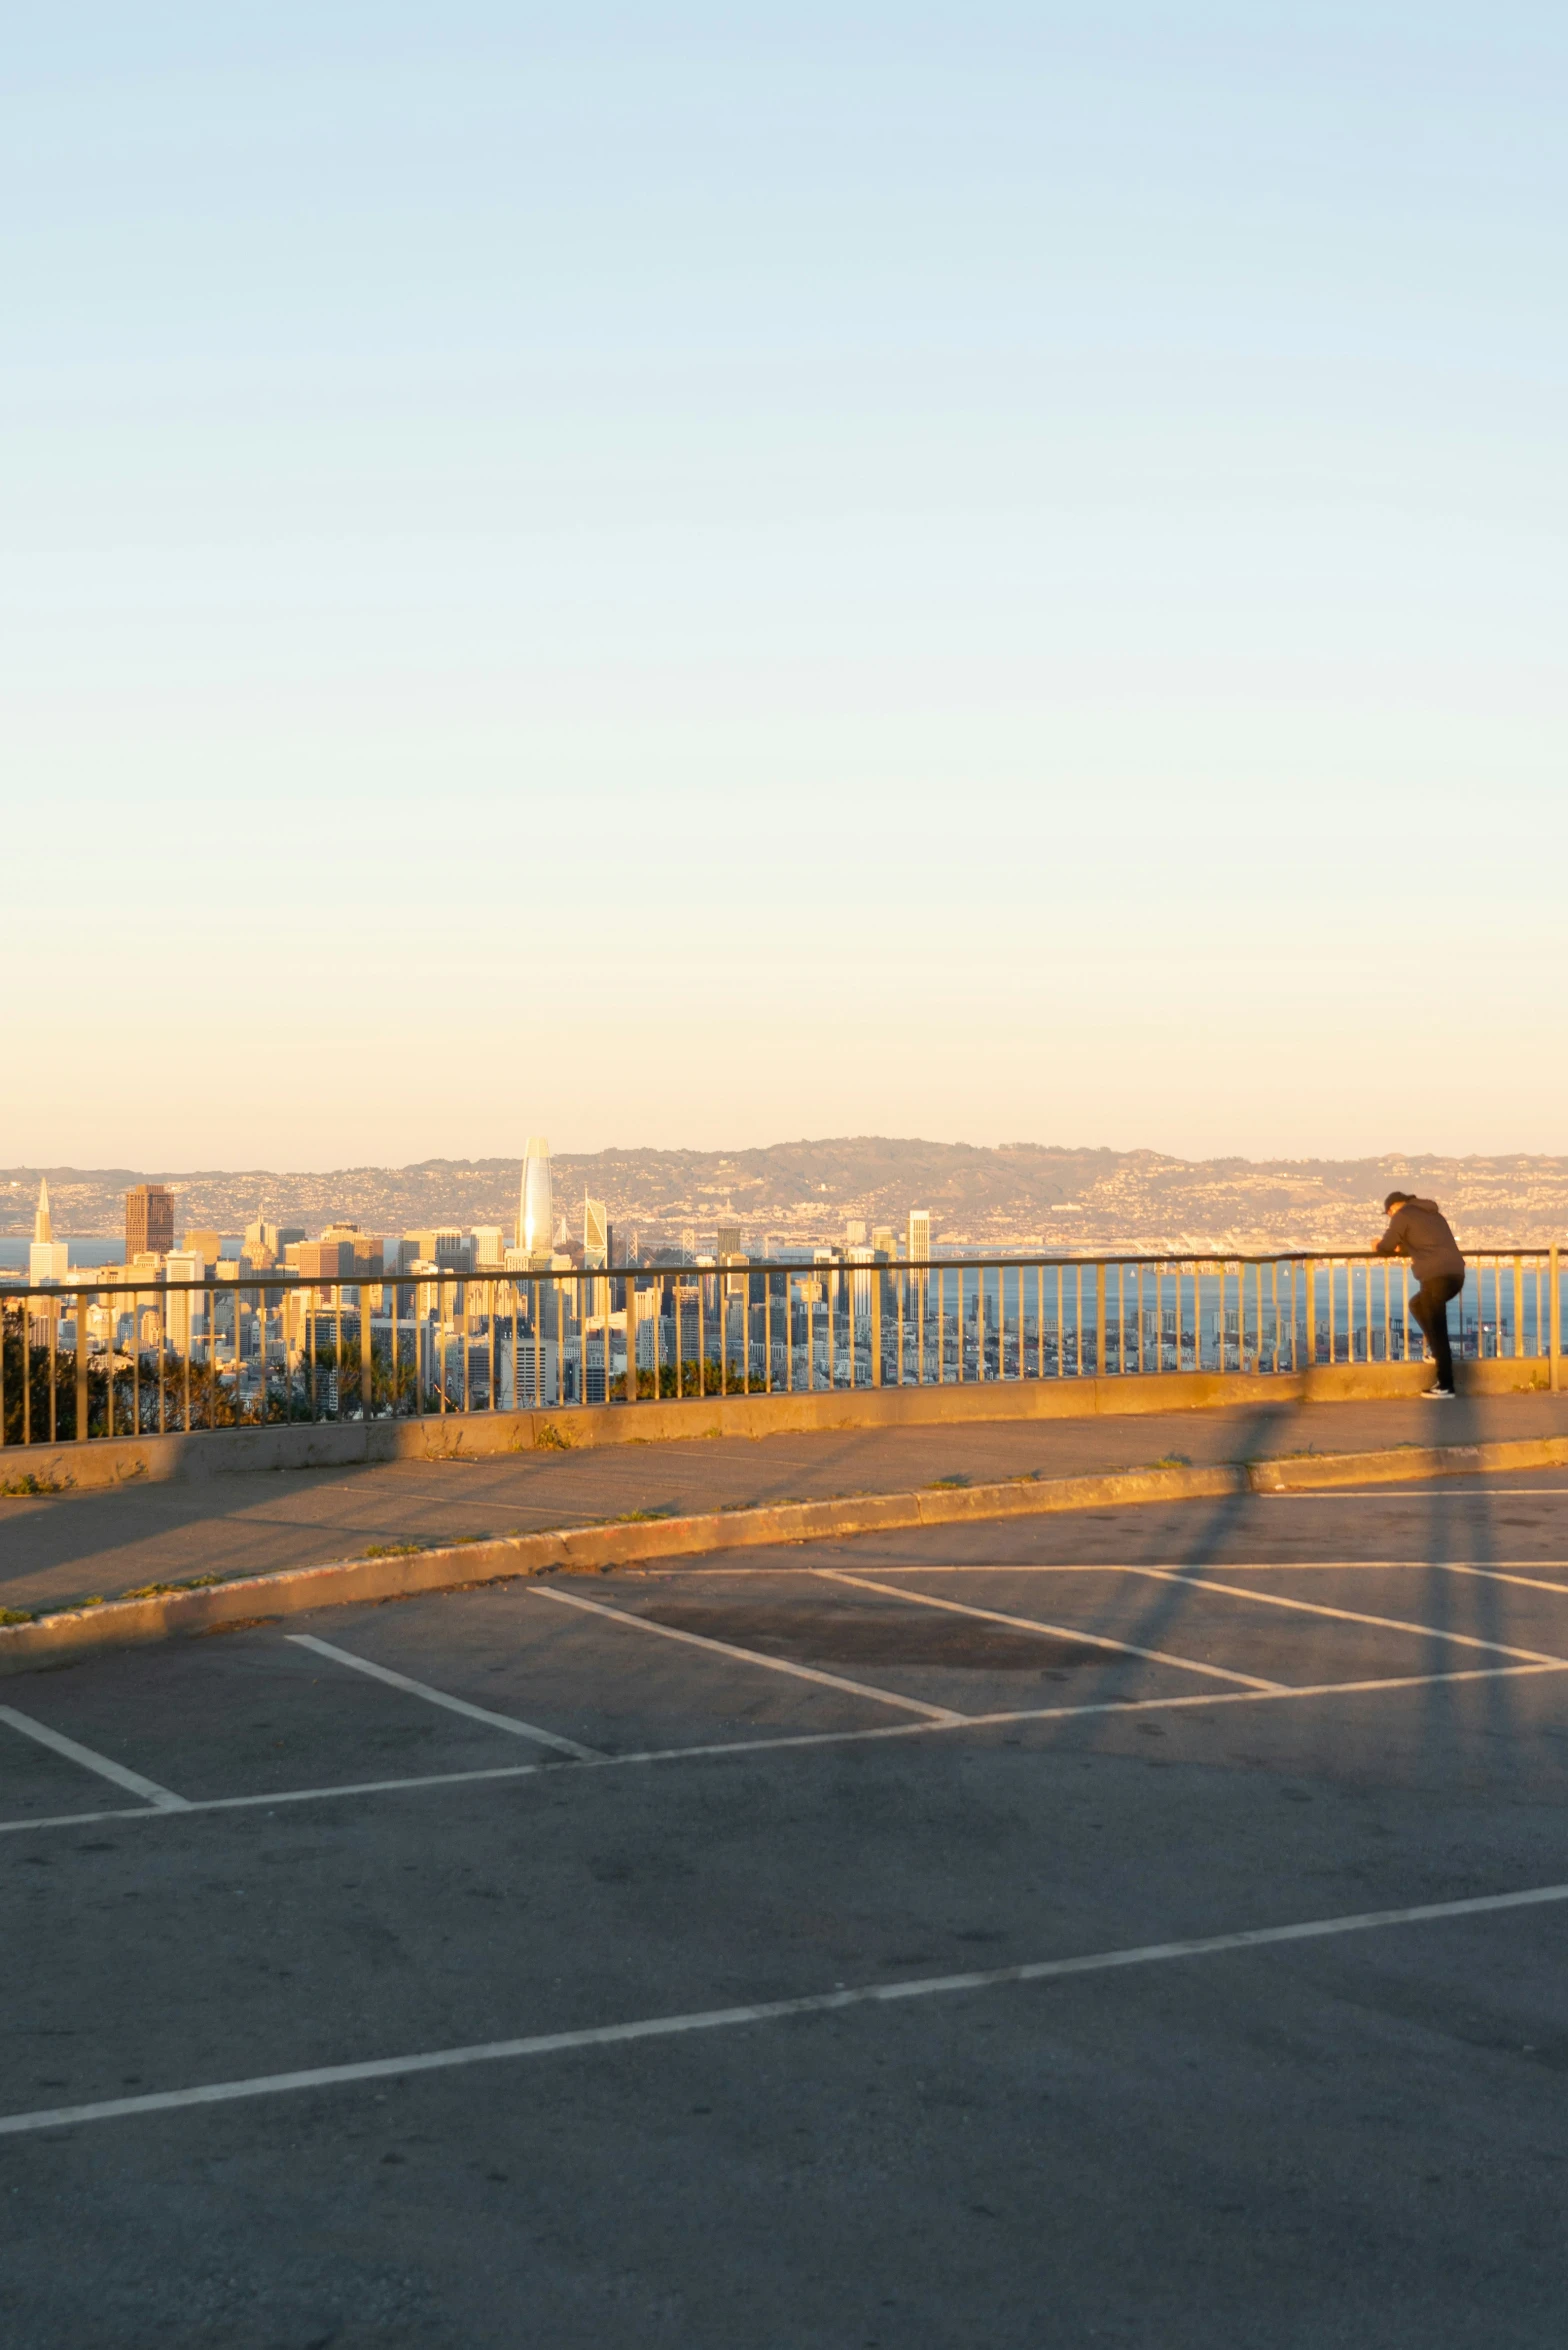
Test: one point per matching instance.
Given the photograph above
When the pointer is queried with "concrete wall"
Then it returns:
(228, 1451)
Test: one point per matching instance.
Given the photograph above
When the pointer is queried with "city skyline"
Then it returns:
(852, 1190)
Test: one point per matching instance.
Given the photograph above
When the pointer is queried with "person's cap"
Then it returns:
(1397, 1199)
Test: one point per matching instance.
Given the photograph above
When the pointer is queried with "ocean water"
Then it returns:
(88, 1248)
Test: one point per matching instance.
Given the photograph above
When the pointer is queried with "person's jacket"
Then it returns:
(1419, 1231)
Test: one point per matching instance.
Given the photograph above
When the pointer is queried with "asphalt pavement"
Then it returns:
(1144, 1926)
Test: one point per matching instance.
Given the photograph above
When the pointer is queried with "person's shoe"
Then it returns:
(1438, 1395)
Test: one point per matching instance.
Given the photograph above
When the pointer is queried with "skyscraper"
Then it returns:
(919, 1235)
(860, 1284)
(185, 1310)
(445, 1247)
(535, 1206)
(728, 1242)
(596, 1233)
(262, 1245)
(149, 1221)
(48, 1259)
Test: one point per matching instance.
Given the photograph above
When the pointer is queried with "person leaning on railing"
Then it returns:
(1418, 1229)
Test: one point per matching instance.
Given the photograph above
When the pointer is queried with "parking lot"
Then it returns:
(1133, 1926)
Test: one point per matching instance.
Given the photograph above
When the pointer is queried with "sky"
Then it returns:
(694, 575)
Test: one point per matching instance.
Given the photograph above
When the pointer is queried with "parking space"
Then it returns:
(38, 1781)
(555, 1653)
(910, 1660)
(1201, 1629)
(928, 1939)
(252, 1714)
(1509, 1607)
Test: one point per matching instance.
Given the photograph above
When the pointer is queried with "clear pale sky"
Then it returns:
(697, 575)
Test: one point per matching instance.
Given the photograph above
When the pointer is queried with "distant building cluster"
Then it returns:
(540, 1242)
(541, 1313)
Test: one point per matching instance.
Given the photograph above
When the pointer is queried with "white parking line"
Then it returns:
(84, 1819)
(715, 2019)
(750, 1656)
(1144, 1566)
(1427, 1493)
(989, 1615)
(453, 1705)
(132, 1781)
(1345, 1615)
(794, 1740)
(1501, 1575)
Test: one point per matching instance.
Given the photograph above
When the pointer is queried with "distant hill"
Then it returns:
(1022, 1194)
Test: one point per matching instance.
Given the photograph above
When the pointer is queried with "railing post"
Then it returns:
(81, 1366)
(1555, 1320)
(1099, 1319)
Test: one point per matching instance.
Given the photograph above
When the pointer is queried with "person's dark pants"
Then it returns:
(1430, 1308)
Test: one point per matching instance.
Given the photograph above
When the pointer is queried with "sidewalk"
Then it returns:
(60, 1549)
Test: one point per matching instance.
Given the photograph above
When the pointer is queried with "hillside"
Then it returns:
(1021, 1195)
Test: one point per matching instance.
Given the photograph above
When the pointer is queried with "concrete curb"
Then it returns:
(1304, 1472)
(183, 1609)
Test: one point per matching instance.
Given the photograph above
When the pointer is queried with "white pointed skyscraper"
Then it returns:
(48, 1259)
(535, 1206)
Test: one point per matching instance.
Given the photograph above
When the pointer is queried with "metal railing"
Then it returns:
(92, 1357)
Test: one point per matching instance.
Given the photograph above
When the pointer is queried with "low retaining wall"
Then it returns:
(163, 1614)
(329, 1444)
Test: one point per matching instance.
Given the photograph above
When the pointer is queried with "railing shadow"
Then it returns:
(1467, 1697)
